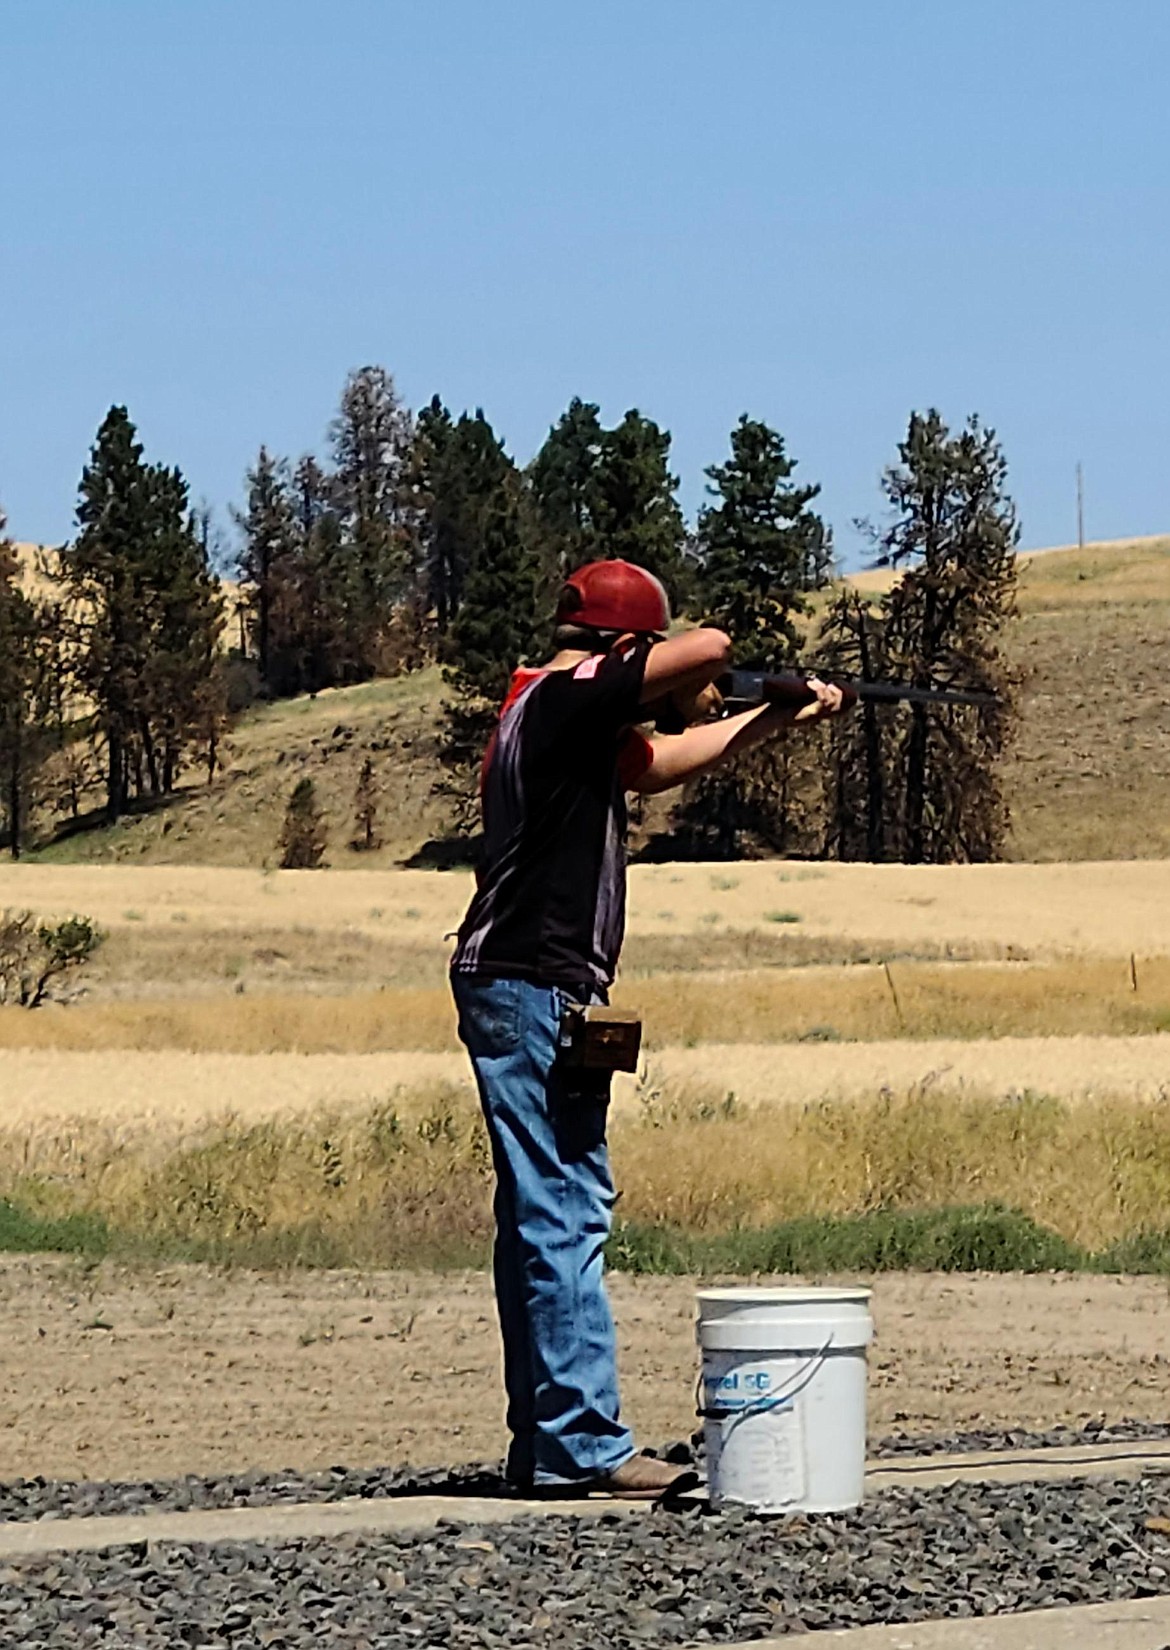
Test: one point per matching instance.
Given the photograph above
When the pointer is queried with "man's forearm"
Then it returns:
(682, 756)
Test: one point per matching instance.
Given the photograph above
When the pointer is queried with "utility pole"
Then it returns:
(1080, 509)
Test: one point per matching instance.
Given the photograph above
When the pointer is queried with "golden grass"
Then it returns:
(1110, 570)
(381, 1182)
(863, 1003)
(1089, 775)
(365, 1023)
(785, 1074)
(1127, 571)
(182, 959)
(858, 1003)
(1102, 909)
(166, 1090)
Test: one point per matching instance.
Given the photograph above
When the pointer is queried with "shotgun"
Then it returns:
(745, 689)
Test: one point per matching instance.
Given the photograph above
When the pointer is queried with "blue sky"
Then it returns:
(822, 214)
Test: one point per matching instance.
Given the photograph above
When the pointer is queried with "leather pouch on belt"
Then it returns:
(595, 1037)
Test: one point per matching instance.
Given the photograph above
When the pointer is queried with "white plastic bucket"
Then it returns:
(783, 1405)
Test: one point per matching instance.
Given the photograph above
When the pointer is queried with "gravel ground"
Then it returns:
(1017, 1438)
(25, 1499)
(569, 1583)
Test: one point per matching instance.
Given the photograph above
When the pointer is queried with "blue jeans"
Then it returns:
(553, 1205)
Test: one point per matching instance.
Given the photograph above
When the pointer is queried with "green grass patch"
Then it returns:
(1147, 1252)
(979, 1238)
(23, 1232)
(976, 1238)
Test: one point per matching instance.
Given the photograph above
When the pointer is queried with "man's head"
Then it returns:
(607, 599)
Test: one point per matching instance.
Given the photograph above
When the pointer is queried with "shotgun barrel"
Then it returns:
(743, 689)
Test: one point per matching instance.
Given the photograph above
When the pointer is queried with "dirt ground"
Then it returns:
(117, 1373)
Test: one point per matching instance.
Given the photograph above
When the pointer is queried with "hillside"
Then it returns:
(1089, 778)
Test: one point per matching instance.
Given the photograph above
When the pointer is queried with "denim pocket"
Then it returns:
(489, 1015)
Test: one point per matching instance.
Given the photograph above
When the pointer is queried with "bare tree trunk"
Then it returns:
(875, 779)
(15, 799)
(916, 786)
(151, 759)
(116, 777)
(919, 736)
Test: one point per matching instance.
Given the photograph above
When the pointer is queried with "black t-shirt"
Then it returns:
(550, 905)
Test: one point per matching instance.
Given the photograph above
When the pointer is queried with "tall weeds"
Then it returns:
(407, 1182)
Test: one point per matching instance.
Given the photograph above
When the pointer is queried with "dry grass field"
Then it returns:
(164, 1088)
(1021, 911)
(853, 1003)
(1090, 775)
(216, 1087)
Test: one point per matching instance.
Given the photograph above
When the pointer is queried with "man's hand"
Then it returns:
(830, 700)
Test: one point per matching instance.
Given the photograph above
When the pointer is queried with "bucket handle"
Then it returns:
(760, 1406)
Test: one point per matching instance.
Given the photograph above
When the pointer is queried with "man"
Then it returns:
(543, 931)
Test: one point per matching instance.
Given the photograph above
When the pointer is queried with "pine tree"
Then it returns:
(308, 609)
(564, 479)
(208, 710)
(819, 564)
(493, 632)
(302, 839)
(429, 476)
(264, 562)
(24, 694)
(102, 568)
(953, 537)
(147, 613)
(636, 515)
(366, 801)
(472, 473)
(757, 546)
(754, 549)
(371, 438)
(186, 613)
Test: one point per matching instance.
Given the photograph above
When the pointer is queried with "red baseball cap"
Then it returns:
(615, 595)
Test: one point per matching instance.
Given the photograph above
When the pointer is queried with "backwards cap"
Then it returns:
(615, 595)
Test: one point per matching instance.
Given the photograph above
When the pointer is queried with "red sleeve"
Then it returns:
(635, 758)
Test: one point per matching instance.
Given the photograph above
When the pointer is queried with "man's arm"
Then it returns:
(684, 664)
(682, 756)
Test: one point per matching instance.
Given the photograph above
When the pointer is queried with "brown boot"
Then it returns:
(642, 1478)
